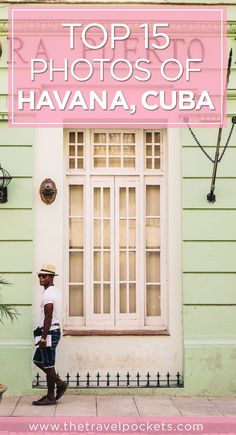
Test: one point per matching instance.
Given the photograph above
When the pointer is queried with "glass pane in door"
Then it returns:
(114, 150)
(102, 250)
(127, 249)
(76, 150)
(153, 251)
(76, 248)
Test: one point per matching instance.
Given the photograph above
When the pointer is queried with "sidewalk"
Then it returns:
(76, 405)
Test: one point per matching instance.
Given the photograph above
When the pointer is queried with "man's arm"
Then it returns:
(48, 310)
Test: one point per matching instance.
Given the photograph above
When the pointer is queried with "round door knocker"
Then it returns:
(48, 191)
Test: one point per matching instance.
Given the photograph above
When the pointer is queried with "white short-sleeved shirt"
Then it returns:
(51, 295)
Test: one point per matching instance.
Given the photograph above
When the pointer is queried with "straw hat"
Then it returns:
(47, 269)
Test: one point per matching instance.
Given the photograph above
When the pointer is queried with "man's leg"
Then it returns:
(40, 366)
(49, 399)
(42, 358)
(51, 381)
(38, 361)
(59, 381)
(56, 378)
(45, 360)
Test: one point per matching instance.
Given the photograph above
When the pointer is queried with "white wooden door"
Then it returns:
(115, 247)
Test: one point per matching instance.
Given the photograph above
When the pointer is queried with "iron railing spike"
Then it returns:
(127, 380)
(118, 379)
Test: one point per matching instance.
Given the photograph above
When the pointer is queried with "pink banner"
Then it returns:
(118, 425)
(116, 66)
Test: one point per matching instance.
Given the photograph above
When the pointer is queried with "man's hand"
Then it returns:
(42, 343)
(37, 344)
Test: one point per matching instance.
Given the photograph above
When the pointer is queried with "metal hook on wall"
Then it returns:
(211, 196)
(218, 157)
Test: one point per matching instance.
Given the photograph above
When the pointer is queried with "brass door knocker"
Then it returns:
(48, 191)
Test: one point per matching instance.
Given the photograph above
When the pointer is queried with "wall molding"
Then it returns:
(178, 29)
(201, 342)
(10, 342)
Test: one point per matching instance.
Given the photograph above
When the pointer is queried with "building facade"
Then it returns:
(146, 265)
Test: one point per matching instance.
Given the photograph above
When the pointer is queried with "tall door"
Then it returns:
(115, 245)
(117, 224)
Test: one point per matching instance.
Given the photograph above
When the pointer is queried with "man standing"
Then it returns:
(49, 325)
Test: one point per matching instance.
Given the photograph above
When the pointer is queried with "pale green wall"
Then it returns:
(16, 245)
(209, 258)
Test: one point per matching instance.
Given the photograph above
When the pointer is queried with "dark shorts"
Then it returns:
(47, 356)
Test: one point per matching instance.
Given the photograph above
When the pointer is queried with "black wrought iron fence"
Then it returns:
(117, 380)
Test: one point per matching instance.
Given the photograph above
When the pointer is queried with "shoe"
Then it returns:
(44, 401)
(39, 400)
(61, 389)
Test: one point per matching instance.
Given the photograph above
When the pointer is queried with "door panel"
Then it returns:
(127, 248)
(114, 250)
(102, 251)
